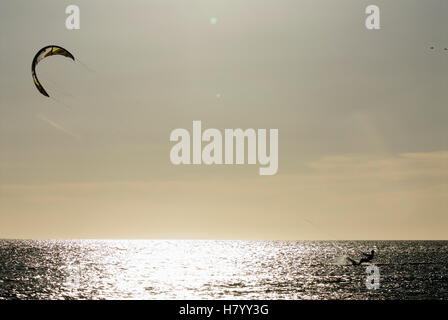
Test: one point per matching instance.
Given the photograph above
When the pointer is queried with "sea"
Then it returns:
(222, 269)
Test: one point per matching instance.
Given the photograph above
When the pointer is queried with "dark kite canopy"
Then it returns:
(47, 51)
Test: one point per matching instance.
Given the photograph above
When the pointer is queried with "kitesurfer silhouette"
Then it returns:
(367, 258)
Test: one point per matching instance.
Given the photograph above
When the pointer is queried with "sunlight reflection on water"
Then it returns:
(199, 269)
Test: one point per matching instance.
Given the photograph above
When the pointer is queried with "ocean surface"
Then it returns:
(202, 269)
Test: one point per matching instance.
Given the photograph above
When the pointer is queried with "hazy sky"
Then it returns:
(362, 118)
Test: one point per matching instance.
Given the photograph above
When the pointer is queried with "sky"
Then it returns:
(362, 119)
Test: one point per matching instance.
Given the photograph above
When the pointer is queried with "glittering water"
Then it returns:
(152, 269)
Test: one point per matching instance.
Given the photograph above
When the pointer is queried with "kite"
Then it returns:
(42, 54)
